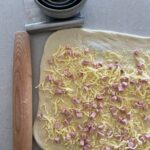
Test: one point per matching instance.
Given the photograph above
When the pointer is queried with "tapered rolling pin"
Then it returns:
(22, 93)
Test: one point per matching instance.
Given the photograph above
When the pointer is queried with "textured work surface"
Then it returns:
(119, 15)
(11, 20)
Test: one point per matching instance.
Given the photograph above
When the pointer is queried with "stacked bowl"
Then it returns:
(61, 9)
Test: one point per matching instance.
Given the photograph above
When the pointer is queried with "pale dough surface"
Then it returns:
(100, 40)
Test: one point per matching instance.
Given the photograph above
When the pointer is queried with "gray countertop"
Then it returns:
(130, 16)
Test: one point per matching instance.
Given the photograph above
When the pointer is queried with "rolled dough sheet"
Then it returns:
(96, 39)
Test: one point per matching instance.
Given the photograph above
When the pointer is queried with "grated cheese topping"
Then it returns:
(100, 100)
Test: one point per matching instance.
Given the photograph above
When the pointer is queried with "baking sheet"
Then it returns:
(37, 46)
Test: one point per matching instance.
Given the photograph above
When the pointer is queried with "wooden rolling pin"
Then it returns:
(22, 93)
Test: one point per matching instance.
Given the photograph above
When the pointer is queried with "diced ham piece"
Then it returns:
(81, 74)
(143, 80)
(86, 129)
(133, 82)
(89, 127)
(66, 122)
(84, 136)
(57, 125)
(86, 63)
(57, 140)
(136, 52)
(87, 141)
(82, 142)
(67, 137)
(114, 98)
(120, 88)
(142, 139)
(86, 50)
(132, 144)
(139, 72)
(39, 116)
(50, 61)
(69, 52)
(123, 121)
(113, 110)
(76, 101)
(85, 144)
(124, 84)
(107, 148)
(117, 65)
(72, 77)
(93, 115)
(72, 134)
(97, 65)
(146, 118)
(98, 110)
(121, 71)
(147, 136)
(80, 127)
(100, 105)
(59, 91)
(115, 86)
(124, 79)
(65, 112)
(68, 74)
(94, 105)
(99, 97)
(111, 66)
(113, 93)
(140, 66)
(100, 63)
(123, 109)
(129, 114)
(86, 87)
(49, 78)
(86, 105)
(86, 147)
(58, 82)
(140, 105)
(79, 114)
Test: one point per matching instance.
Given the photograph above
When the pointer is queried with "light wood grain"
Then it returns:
(22, 93)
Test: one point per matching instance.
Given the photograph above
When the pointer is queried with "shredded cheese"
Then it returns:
(85, 81)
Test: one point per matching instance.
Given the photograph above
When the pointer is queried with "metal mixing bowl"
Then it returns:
(61, 13)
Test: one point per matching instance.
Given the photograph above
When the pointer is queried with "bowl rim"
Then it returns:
(58, 7)
(59, 2)
(62, 10)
